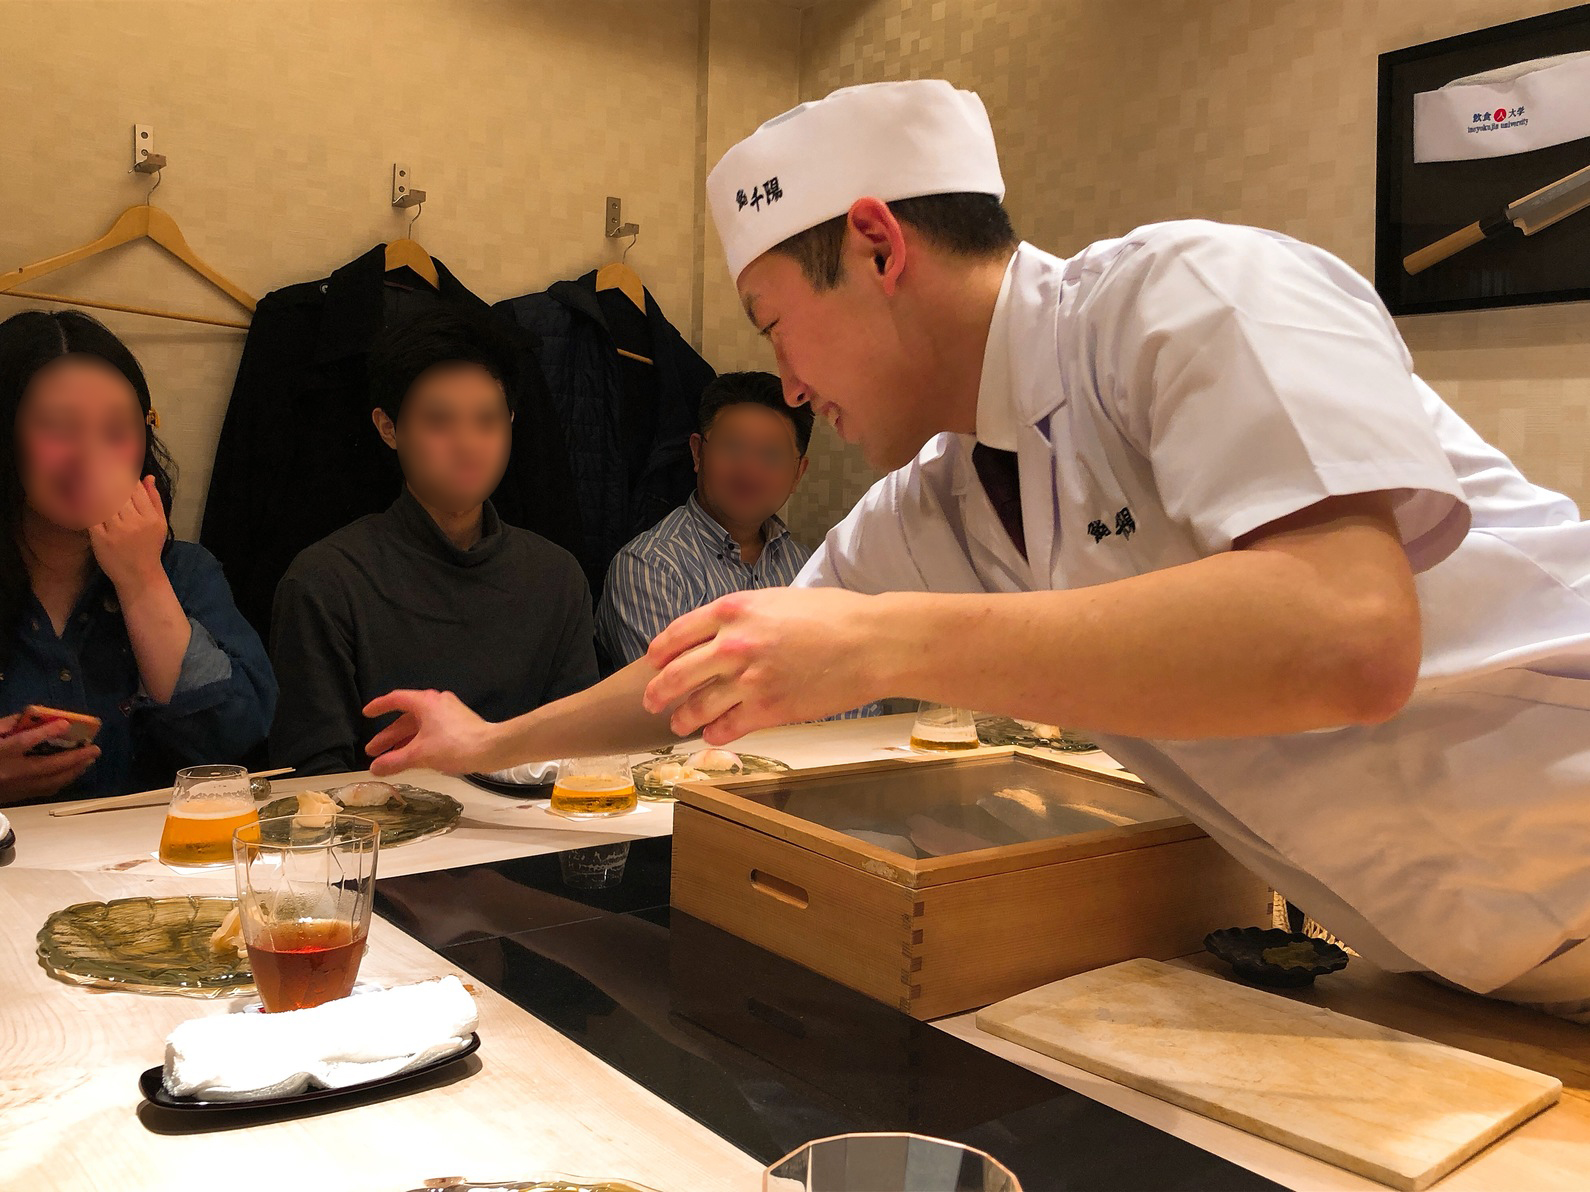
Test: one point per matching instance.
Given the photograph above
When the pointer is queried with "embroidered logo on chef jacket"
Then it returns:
(768, 192)
(1125, 526)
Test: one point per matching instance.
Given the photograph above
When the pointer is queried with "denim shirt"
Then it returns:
(221, 707)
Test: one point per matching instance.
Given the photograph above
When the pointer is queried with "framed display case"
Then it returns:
(1469, 128)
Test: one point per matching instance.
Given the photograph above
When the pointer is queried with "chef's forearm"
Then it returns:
(1248, 643)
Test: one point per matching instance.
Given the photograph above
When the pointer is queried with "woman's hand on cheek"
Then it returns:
(129, 543)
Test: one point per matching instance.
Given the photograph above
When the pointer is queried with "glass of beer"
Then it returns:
(208, 804)
(594, 787)
(304, 885)
(941, 728)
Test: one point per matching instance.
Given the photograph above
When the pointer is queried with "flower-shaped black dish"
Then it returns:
(1244, 948)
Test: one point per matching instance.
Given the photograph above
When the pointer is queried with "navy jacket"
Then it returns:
(298, 457)
(627, 424)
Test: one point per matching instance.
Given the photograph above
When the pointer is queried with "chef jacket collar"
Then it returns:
(996, 418)
(1019, 386)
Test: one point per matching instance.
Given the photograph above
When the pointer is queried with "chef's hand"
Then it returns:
(24, 777)
(129, 543)
(435, 731)
(758, 659)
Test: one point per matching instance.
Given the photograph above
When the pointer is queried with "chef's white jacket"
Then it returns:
(1172, 390)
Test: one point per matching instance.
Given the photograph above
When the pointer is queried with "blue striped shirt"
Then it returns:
(684, 561)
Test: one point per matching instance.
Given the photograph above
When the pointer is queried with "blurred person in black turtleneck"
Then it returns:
(437, 591)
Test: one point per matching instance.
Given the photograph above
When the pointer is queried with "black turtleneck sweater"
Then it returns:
(390, 602)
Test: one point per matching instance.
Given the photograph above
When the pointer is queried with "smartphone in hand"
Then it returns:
(80, 730)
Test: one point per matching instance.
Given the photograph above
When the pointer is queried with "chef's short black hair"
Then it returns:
(760, 388)
(967, 225)
(402, 351)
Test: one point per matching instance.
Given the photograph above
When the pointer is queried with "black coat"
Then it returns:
(298, 457)
(627, 425)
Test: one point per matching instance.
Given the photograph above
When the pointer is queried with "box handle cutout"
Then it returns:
(777, 887)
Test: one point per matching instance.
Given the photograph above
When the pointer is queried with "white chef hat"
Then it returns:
(884, 140)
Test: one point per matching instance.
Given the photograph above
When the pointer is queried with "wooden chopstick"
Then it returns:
(152, 798)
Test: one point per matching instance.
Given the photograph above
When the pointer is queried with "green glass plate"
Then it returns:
(417, 815)
(1003, 730)
(659, 792)
(144, 945)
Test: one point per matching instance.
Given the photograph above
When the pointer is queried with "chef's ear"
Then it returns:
(384, 427)
(874, 239)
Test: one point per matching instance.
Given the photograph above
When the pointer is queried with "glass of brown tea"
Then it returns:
(304, 885)
(208, 804)
(594, 787)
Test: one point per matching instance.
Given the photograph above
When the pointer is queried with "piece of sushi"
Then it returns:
(669, 773)
(715, 761)
(366, 794)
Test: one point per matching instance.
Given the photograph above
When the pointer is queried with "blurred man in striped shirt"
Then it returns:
(750, 454)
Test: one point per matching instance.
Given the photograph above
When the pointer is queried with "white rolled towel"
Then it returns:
(529, 774)
(246, 1057)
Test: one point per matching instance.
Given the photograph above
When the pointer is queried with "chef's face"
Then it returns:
(452, 435)
(854, 351)
(80, 436)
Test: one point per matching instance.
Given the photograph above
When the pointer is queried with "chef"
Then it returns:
(1182, 490)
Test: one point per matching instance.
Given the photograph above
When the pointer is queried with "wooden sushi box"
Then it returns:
(943, 883)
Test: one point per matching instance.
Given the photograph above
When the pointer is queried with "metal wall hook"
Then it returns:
(616, 226)
(403, 194)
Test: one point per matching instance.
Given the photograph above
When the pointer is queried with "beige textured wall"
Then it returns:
(753, 69)
(281, 120)
(1113, 113)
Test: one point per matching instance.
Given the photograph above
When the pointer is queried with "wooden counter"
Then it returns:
(534, 1101)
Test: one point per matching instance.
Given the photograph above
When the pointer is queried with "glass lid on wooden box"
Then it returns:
(938, 810)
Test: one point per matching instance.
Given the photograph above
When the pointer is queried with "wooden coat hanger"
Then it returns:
(407, 253)
(142, 221)
(619, 276)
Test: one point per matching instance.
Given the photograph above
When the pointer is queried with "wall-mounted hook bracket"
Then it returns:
(145, 159)
(404, 194)
(615, 220)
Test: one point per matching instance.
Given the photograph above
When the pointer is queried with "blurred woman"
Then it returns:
(101, 610)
